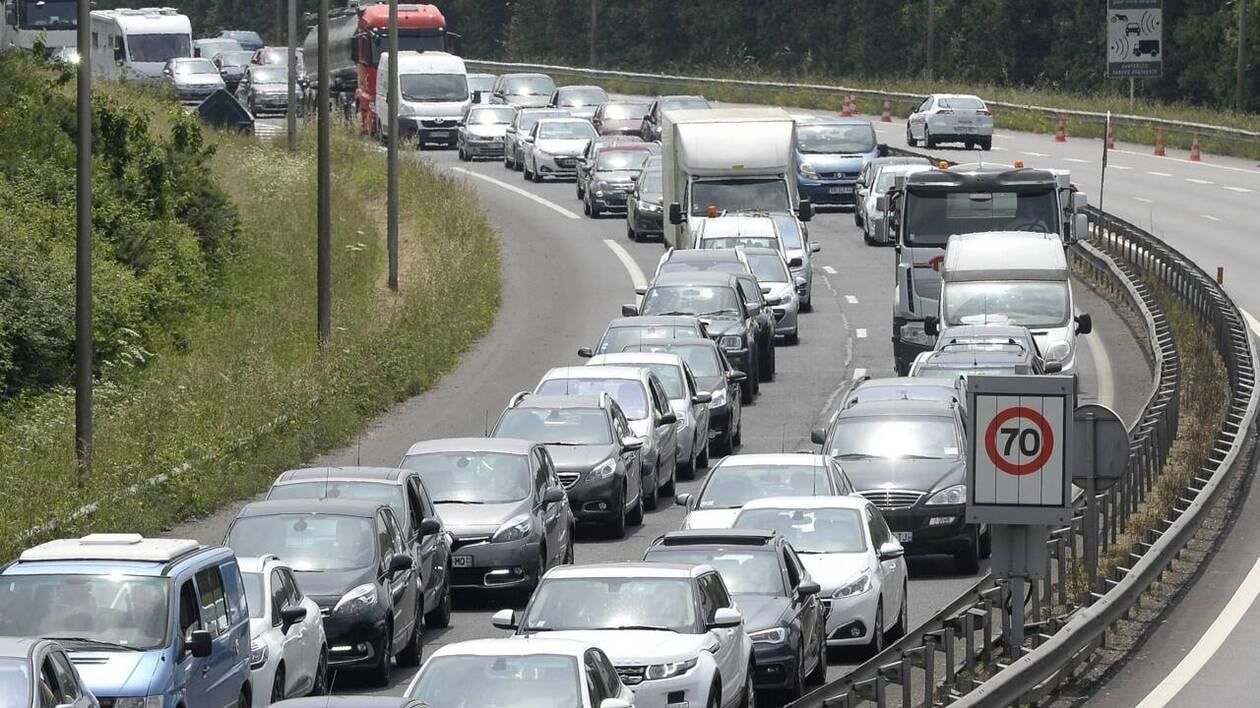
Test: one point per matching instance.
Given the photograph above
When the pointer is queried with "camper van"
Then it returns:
(134, 45)
(29, 22)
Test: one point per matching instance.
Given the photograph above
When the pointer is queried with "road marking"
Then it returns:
(861, 333)
(859, 373)
(1077, 160)
(1208, 644)
(830, 270)
(517, 190)
(1103, 369)
(1118, 167)
(1034, 154)
(998, 148)
(1144, 200)
(851, 299)
(1209, 217)
(1158, 174)
(1199, 181)
(636, 275)
(1240, 190)
(1191, 162)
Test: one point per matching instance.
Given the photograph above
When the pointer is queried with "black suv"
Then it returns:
(596, 454)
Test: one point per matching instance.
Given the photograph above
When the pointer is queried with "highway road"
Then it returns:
(566, 275)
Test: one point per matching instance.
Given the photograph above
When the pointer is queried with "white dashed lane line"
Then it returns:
(851, 299)
(861, 333)
(518, 191)
(1144, 200)
(1118, 167)
(1192, 180)
(1240, 190)
(1034, 154)
(1077, 160)
(830, 270)
(1158, 174)
(1209, 217)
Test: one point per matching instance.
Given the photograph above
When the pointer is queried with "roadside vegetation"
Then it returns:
(211, 395)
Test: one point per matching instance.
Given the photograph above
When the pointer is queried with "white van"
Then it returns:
(134, 45)
(1013, 278)
(433, 87)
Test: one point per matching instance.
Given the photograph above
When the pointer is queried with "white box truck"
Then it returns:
(726, 161)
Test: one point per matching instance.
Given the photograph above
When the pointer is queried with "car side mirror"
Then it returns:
(807, 588)
(736, 376)
(529, 138)
(399, 562)
(615, 703)
(476, 97)
(667, 419)
(641, 290)
(800, 282)
(683, 500)
(814, 247)
(796, 262)
(428, 527)
(629, 310)
(891, 551)
(931, 326)
(631, 442)
(1079, 201)
(754, 308)
(765, 290)
(818, 436)
(773, 301)
(676, 214)
(1080, 226)
(881, 203)
(585, 352)
(504, 619)
(290, 616)
(166, 72)
(726, 618)
(1084, 324)
(1053, 367)
(553, 495)
(702, 397)
(806, 210)
(200, 643)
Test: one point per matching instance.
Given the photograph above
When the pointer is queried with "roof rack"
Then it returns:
(111, 547)
(715, 537)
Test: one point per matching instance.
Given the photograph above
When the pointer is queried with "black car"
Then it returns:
(645, 216)
(909, 458)
(406, 494)
(351, 559)
(782, 612)
(625, 331)
(232, 67)
(596, 454)
(650, 128)
(619, 118)
(610, 177)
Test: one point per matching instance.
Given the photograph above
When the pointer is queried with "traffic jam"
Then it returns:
(782, 559)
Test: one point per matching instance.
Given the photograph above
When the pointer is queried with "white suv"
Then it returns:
(672, 631)
(288, 652)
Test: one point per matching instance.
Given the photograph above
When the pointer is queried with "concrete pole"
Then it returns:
(324, 247)
(391, 206)
(83, 350)
(291, 106)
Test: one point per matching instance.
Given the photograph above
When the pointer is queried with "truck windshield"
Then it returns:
(158, 48)
(736, 195)
(433, 87)
(931, 218)
(1035, 304)
(833, 139)
(433, 42)
(48, 15)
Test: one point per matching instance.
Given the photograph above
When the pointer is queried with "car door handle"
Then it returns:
(205, 670)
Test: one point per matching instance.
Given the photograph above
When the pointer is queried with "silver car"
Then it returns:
(35, 673)
(524, 90)
(483, 132)
(776, 282)
(518, 130)
(951, 118)
(739, 479)
(192, 80)
(553, 146)
(799, 252)
(882, 180)
(480, 86)
(581, 101)
(865, 201)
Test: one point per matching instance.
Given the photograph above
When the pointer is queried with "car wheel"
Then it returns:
(507, 161)
(792, 339)
(410, 655)
(967, 561)
(876, 645)
(724, 444)
(463, 156)
(650, 501)
(688, 469)
(765, 363)
(617, 527)
(525, 172)
(384, 658)
(738, 438)
(580, 193)
(244, 701)
(630, 234)
(319, 686)
(702, 460)
(535, 175)
(749, 697)
(715, 696)
(277, 685)
(903, 615)
(636, 514)
(927, 139)
(586, 206)
(910, 136)
(807, 303)
(746, 391)
(986, 144)
(440, 616)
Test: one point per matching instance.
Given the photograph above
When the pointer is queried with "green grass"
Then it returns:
(252, 358)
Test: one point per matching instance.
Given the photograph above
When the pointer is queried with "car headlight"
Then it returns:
(670, 670)
(778, 635)
(406, 109)
(731, 342)
(358, 599)
(954, 495)
(539, 152)
(257, 654)
(514, 529)
(145, 702)
(808, 170)
(719, 398)
(1058, 351)
(605, 469)
(649, 206)
(600, 187)
(854, 587)
(913, 332)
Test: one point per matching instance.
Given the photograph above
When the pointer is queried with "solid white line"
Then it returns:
(859, 373)
(1144, 200)
(1158, 174)
(1240, 190)
(999, 149)
(1208, 644)
(1118, 167)
(636, 275)
(1252, 322)
(830, 270)
(851, 299)
(517, 190)
(1209, 217)
(1192, 180)
(1077, 160)
(1191, 162)
(1104, 371)
(861, 333)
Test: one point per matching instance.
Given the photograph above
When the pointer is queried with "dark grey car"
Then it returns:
(192, 80)
(589, 156)
(519, 129)
(620, 118)
(976, 350)
(524, 90)
(264, 89)
(610, 177)
(581, 101)
(625, 331)
(645, 205)
(232, 67)
(650, 128)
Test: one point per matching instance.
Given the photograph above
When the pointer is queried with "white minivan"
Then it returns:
(433, 88)
(1013, 278)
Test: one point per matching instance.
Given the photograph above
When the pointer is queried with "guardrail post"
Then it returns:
(907, 695)
(929, 670)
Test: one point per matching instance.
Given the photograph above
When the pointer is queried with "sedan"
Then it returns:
(581, 101)
(777, 284)
(645, 211)
(619, 118)
(627, 331)
(192, 80)
(288, 653)
(591, 155)
(484, 132)
(738, 479)
(517, 132)
(553, 146)
(232, 67)
(610, 179)
(951, 118)
(37, 673)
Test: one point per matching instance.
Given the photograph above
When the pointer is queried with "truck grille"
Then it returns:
(892, 498)
(631, 675)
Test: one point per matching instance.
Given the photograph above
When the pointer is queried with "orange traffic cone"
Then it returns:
(1159, 143)
(847, 110)
(853, 105)
(1194, 149)
(887, 116)
(1111, 136)
(1060, 131)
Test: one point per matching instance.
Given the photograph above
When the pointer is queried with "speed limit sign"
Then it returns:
(1019, 436)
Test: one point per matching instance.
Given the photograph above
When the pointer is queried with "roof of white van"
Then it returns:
(428, 62)
(1005, 255)
(163, 20)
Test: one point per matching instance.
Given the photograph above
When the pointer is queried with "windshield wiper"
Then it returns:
(457, 501)
(563, 444)
(725, 311)
(857, 456)
(674, 313)
(650, 627)
(539, 629)
(94, 642)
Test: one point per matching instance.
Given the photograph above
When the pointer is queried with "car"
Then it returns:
(672, 631)
(424, 535)
(645, 210)
(830, 153)
(849, 551)
(480, 87)
(620, 118)
(288, 652)
(264, 89)
(581, 101)
(732, 231)
(1133, 28)
(650, 126)
(689, 403)
(877, 179)
(192, 80)
(909, 458)
(595, 451)
(624, 331)
(799, 252)
(483, 133)
(352, 701)
(37, 673)
(713, 373)
(523, 90)
(519, 129)
(778, 284)
(587, 159)
(693, 260)
(642, 398)
(232, 66)
(1007, 348)
(351, 559)
(552, 148)
(146, 621)
(609, 178)
(277, 56)
(738, 479)
(248, 39)
(504, 507)
(540, 673)
(901, 388)
(951, 118)
(214, 46)
(783, 616)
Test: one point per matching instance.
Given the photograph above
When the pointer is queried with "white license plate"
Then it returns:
(903, 536)
(461, 561)
(840, 190)
(965, 129)
(439, 134)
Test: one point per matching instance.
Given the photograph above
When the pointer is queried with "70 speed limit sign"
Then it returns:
(1020, 431)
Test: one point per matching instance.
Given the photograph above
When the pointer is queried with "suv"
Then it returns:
(107, 599)
(596, 453)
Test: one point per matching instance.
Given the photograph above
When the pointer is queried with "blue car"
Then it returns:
(148, 623)
(830, 153)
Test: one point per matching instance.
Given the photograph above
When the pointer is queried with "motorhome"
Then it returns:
(54, 23)
(433, 93)
(134, 45)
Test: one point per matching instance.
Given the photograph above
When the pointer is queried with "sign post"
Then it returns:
(1135, 39)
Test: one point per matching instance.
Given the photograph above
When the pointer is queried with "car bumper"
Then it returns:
(611, 200)
(484, 148)
(354, 640)
(495, 565)
(785, 320)
(934, 530)
(424, 131)
(596, 500)
(949, 131)
(774, 666)
(555, 165)
(850, 620)
(650, 223)
(269, 102)
(686, 691)
(835, 192)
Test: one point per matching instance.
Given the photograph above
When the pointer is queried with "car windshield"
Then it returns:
(789, 230)
(738, 241)
(1036, 304)
(890, 437)
(625, 111)
(732, 486)
(129, 611)
(157, 48)
(650, 182)
(698, 300)
(254, 595)
(527, 121)
(731, 196)
(529, 86)
(533, 681)
(48, 15)
(433, 88)
(556, 426)
(353, 490)
(587, 96)
(613, 160)
(810, 530)
(195, 67)
(833, 139)
(932, 218)
(683, 103)
(887, 176)
(15, 682)
(963, 102)
(565, 604)
(483, 83)
(768, 268)
(270, 75)
(312, 542)
(628, 393)
(490, 116)
(566, 130)
(234, 58)
(744, 572)
(616, 339)
(472, 477)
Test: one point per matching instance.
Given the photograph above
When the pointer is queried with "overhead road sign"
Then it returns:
(1135, 38)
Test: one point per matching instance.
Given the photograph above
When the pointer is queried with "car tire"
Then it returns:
(319, 687)
(410, 655)
(702, 459)
(277, 685)
(586, 206)
(765, 365)
(927, 139)
(245, 700)
(636, 514)
(748, 699)
(910, 136)
(384, 658)
(581, 194)
(535, 176)
(688, 470)
(807, 305)
(525, 172)
(507, 160)
(650, 502)
(986, 144)
(617, 527)
(746, 391)
(440, 616)
(876, 645)
(715, 695)
(903, 615)
(630, 234)
(967, 561)
(792, 339)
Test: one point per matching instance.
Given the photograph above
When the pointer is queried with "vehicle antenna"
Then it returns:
(783, 439)
(358, 452)
(327, 484)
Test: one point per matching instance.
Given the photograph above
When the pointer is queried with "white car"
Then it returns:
(288, 652)
(553, 146)
(882, 178)
(738, 479)
(736, 230)
(540, 673)
(849, 550)
(951, 118)
(672, 631)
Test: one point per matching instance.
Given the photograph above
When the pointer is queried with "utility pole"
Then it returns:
(594, 25)
(324, 245)
(1241, 91)
(291, 105)
(83, 254)
(391, 199)
(931, 35)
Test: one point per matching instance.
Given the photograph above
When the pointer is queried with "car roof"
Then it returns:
(510, 646)
(631, 569)
(1005, 255)
(760, 251)
(341, 474)
(112, 547)
(695, 277)
(968, 356)
(584, 87)
(866, 409)
(831, 120)
(507, 446)
(584, 400)
(523, 75)
(771, 459)
(750, 538)
(703, 255)
(987, 332)
(563, 119)
(609, 371)
(352, 701)
(339, 507)
(636, 358)
(837, 502)
(738, 225)
(18, 647)
(656, 321)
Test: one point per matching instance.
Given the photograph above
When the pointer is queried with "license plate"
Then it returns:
(461, 561)
(840, 190)
(439, 134)
(903, 536)
(965, 129)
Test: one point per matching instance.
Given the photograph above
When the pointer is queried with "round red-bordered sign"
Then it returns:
(1047, 441)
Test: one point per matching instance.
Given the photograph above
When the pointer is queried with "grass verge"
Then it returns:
(251, 363)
